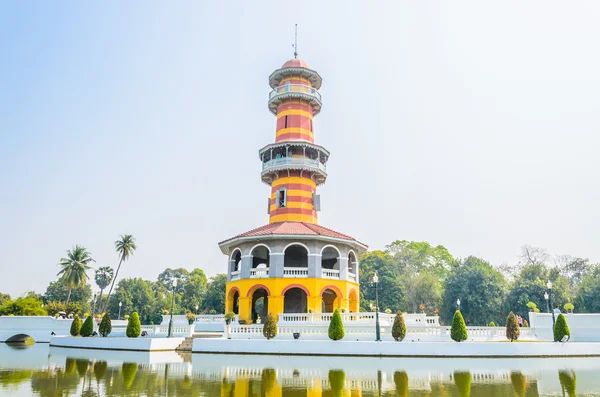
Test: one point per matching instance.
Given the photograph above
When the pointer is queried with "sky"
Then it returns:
(468, 124)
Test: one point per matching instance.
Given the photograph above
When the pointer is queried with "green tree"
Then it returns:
(194, 290)
(81, 295)
(75, 326)
(168, 275)
(479, 287)
(458, 330)
(215, 294)
(25, 306)
(588, 298)
(390, 291)
(134, 328)
(104, 276)
(399, 328)
(105, 327)
(336, 326)
(88, 327)
(74, 268)
(512, 327)
(125, 247)
(136, 295)
(270, 327)
(561, 329)
(4, 298)
(72, 308)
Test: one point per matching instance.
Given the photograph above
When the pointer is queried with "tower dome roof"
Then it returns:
(295, 63)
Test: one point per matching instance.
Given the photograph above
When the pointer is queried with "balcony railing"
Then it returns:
(331, 273)
(235, 275)
(299, 161)
(295, 272)
(288, 89)
(259, 273)
(351, 276)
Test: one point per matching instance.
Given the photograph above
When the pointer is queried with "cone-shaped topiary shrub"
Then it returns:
(401, 382)
(561, 328)
(458, 331)
(462, 380)
(75, 326)
(492, 324)
(270, 327)
(519, 383)
(100, 369)
(134, 328)
(337, 381)
(88, 327)
(399, 327)
(268, 380)
(568, 381)
(525, 324)
(336, 326)
(129, 371)
(512, 328)
(105, 325)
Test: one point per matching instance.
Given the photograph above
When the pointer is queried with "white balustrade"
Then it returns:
(351, 276)
(295, 272)
(295, 88)
(259, 273)
(331, 273)
(300, 161)
(235, 275)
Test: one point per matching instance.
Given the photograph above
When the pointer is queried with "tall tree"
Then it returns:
(479, 287)
(389, 289)
(136, 295)
(74, 268)
(104, 276)
(125, 247)
(215, 294)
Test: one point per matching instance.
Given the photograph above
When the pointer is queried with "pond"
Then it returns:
(40, 370)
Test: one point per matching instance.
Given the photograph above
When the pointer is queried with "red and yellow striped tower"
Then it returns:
(294, 166)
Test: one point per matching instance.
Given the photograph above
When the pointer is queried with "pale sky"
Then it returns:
(467, 124)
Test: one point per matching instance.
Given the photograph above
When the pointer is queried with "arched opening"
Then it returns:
(260, 262)
(260, 305)
(352, 266)
(329, 258)
(330, 300)
(236, 259)
(295, 301)
(353, 301)
(233, 300)
(20, 338)
(295, 256)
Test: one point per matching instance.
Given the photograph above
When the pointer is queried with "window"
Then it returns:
(285, 125)
(281, 198)
(309, 125)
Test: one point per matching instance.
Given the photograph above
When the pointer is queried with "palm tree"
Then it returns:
(104, 276)
(125, 247)
(74, 268)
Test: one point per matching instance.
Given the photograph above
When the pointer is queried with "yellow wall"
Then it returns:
(277, 286)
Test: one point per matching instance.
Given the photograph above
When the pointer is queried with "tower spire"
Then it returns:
(296, 43)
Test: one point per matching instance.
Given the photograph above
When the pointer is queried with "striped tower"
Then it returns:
(294, 166)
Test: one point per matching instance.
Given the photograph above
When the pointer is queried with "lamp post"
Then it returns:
(377, 328)
(170, 334)
(547, 304)
(120, 304)
(458, 304)
(549, 286)
(197, 309)
(93, 306)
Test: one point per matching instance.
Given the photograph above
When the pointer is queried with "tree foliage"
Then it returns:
(25, 306)
(75, 326)
(458, 330)
(125, 247)
(214, 299)
(88, 327)
(105, 327)
(134, 328)
(270, 327)
(336, 326)
(74, 268)
(399, 327)
(512, 327)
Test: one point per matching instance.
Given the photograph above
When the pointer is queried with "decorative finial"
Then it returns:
(296, 43)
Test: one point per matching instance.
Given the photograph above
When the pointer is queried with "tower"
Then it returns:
(292, 264)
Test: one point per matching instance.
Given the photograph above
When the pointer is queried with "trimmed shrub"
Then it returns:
(519, 383)
(336, 326)
(75, 326)
(337, 381)
(492, 324)
(191, 317)
(531, 305)
(270, 327)
(462, 380)
(401, 382)
(134, 328)
(105, 325)
(88, 327)
(82, 366)
(512, 328)
(525, 324)
(561, 328)
(399, 328)
(458, 330)
(568, 381)
(129, 371)
(268, 379)
(100, 369)
(569, 307)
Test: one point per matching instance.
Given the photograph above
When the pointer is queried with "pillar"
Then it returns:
(276, 265)
(344, 304)
(314, 266)
(275, 305)
(315, 303)
(245, 309)
(343, 268)
(246, 266)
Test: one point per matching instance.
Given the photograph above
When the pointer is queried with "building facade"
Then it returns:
(292, 264)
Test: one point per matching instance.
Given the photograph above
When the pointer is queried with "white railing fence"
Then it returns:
(259, 273)
(295, 272)
(331, 273)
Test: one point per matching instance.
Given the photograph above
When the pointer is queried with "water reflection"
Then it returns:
(94, 373)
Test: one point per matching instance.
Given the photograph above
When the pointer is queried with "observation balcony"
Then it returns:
(295, 91)
(293, 163)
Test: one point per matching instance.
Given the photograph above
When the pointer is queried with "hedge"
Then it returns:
(134, 327)
(561, 328)
(88, 327)
(336, 326)
(75, 326)
(458, 331)
(399, 328)
(105, 327)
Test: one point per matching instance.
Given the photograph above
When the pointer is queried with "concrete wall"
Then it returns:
(584, 327)
(134, 344)
(396, 349)
(39, 328)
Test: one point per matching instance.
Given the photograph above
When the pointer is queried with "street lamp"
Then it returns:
(377, 328)
(197, 309)
(120, 304)
(94, 306)
(170, 334)
(549, 286)
(458, 304)
(547, 304)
